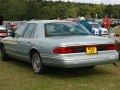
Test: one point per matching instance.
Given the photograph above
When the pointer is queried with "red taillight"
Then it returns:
(3, 34)
(63, 50)
(77, 49)
(111, 47)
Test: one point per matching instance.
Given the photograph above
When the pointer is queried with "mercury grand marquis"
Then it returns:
(58, 43)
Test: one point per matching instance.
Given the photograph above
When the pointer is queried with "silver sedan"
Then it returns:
(58, 43)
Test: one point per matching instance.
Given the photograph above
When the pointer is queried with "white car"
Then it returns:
(3, 32)
(97, 29)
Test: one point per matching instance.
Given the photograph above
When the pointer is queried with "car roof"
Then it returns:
(47, 21)
(92, 23)
(2, 28)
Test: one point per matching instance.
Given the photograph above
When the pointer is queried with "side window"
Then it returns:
(21, 29)
(33, 32)
(29, 30)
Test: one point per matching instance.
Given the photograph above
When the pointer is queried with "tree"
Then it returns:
(31, 10)
(108, 10)
(61, 11)
(47, 9)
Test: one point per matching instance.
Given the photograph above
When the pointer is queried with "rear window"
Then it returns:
(95, 26)
(2, 30)
(7, 24)
(64, 29)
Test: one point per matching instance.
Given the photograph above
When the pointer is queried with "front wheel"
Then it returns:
(37, 64)
(4, 54)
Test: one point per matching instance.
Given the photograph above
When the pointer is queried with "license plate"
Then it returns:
(91, 50)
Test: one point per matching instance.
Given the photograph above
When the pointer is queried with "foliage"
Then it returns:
(47, 9)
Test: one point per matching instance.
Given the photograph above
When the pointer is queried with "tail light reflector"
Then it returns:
(111, 47)
(63, 50)
(76, 49)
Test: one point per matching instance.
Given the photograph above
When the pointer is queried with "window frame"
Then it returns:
(21, 35)
(33, 29)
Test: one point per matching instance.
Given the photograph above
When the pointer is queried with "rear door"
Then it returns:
(25, 42)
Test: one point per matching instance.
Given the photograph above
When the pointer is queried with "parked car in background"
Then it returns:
(3, 32)
(58, 43)
(97, 29)
(14, 26)
(115, 22)
(115, 35)
(100, 21)
(7, 25)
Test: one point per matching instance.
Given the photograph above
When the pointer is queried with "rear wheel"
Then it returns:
(37, 64)
(4, 54)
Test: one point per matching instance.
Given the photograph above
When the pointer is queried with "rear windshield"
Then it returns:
(7, 24)
(95, 26)
(65, 28)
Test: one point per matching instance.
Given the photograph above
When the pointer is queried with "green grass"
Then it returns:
(17, 75)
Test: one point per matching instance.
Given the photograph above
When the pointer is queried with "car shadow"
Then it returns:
(75, 72)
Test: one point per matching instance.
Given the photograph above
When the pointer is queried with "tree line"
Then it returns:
(42, 9)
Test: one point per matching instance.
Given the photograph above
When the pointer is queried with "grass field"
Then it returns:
(17, 75)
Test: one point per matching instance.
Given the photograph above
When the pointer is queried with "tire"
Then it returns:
(4, 55)
(37, 64)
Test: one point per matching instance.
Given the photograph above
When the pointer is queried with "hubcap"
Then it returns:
(36, 63)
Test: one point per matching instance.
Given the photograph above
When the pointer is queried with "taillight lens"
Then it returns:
(104, 47)
(77, 49)
(63, 50)
(3, 34)
(111, 47)
(70, 49)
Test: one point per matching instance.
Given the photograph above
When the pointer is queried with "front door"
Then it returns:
(11, 43)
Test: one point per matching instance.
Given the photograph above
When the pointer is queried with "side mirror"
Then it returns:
(12, 34)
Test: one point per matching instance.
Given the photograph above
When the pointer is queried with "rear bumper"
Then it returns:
(72, 61)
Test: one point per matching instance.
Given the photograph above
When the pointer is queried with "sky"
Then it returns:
(94, 1)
